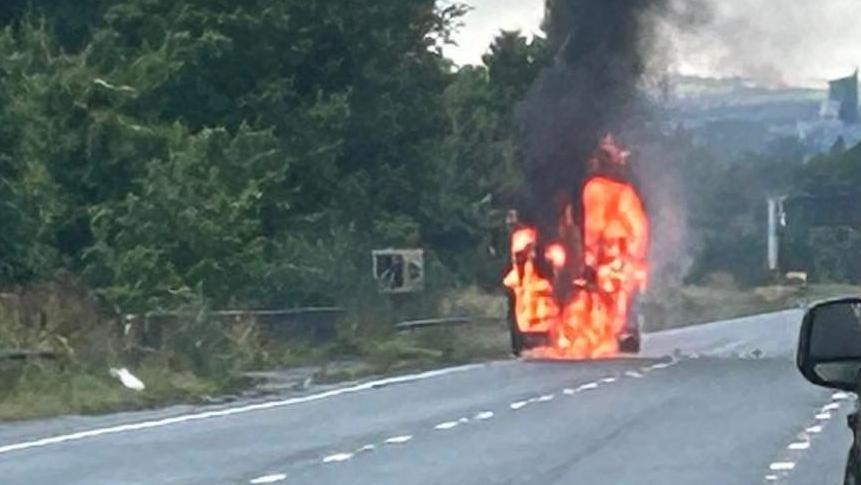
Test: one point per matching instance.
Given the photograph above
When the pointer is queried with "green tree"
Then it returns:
(168, 147)
(478, 170)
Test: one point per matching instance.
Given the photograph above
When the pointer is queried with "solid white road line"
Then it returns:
(232, 411)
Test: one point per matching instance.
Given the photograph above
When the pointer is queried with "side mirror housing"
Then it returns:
(829, 347)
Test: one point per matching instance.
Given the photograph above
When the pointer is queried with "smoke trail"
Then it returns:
(773, 43)
(590, 89)
(604, 51)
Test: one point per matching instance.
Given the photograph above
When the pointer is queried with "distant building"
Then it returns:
(838, 118)
(843, 95)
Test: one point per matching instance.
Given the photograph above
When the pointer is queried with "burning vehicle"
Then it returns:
(573, 289)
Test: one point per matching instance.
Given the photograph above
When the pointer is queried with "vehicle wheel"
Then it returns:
(516, 336)
(516, 342)
(630, 344)
(851, 469)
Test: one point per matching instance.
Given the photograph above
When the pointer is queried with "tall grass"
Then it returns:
(194, 355)
(186, 358)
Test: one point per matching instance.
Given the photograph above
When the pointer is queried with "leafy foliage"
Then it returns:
(250, 153)
(829, 251)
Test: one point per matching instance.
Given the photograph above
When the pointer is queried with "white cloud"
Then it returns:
(774, 41)
(796, 42)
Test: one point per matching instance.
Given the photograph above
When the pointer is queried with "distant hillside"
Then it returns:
(737, 115)
(699, 92)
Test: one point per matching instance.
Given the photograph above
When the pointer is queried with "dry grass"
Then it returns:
(192, 358)
(60, 316)
(369, 340)
(49, 389)
(198, 357)
(484, 338)
(690, 305)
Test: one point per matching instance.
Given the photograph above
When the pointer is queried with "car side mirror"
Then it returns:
(829, 347)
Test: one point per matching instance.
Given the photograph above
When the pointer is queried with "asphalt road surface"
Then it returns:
(716, 404)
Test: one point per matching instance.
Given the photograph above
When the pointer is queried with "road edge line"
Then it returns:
(220, 413)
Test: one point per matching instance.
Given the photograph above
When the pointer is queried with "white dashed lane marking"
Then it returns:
(337, 458)
(587, 387)
(484, 415)
(269, 479)
(481, 416)
(397, 440)
(779, 471)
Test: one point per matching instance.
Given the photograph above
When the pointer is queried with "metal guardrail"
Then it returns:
(248, 313)
(432, 322)
(444, 322)
(316, 323)
(26, 354)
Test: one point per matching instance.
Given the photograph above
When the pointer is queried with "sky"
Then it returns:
(485, 21)
(774, 42)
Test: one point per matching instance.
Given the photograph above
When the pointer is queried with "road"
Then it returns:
(715, 404)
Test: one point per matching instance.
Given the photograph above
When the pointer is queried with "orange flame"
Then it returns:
(535, 307)
(555, 253)
(588, 322)
(523, 239)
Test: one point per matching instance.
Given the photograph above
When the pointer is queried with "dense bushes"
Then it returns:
(250, 154)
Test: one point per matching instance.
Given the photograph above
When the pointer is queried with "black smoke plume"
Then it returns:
(590, 89)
